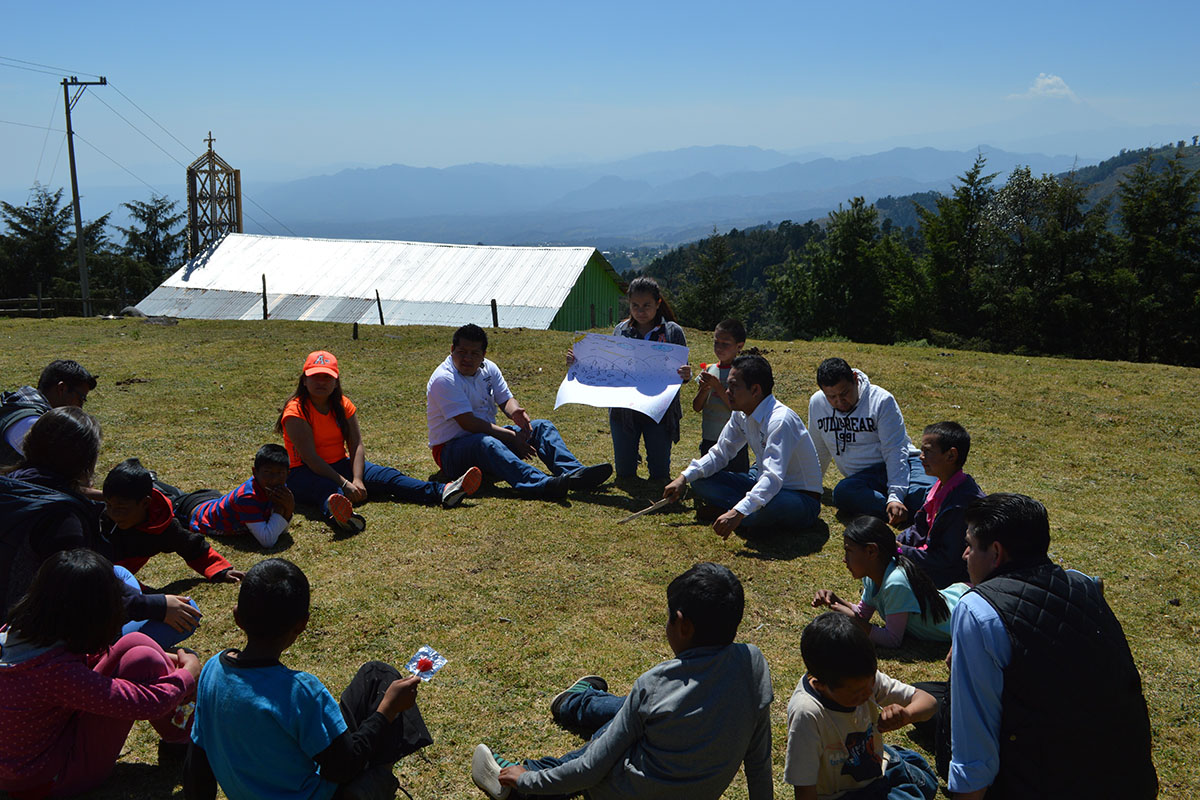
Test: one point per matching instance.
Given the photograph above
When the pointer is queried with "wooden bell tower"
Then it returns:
(214, 200)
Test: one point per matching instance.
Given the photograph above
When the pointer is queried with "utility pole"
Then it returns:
(68, 103)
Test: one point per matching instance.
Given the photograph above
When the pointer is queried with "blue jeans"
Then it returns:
(908, 777)
(625, 445)
(162, 633)
(589, 709)
(866, 492)
(312, 489)
(788, 510)
(496, 459)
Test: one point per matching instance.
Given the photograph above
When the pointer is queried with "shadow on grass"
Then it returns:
(143, 780)
(914, 651)
(786, 546)
(181, 586)
(248, 544)
(318, 516)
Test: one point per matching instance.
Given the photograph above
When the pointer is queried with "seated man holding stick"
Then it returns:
(783, 488)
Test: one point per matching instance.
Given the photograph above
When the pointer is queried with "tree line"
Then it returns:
(1036, 266)
(38, 255)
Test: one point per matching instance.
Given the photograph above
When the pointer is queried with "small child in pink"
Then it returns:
(67, 698)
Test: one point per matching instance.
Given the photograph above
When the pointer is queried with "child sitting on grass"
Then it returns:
(937, 537)
(837, 713)
(712, 400)
(263, 730)
(894, 586)
(141, 523)
(262, 506)
(69, 693)
(686, 725)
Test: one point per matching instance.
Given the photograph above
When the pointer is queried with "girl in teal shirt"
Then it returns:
(893, 585)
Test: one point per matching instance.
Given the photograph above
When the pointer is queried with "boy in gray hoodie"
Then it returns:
(686, 725)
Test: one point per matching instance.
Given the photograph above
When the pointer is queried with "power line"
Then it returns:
(136, 128)
(152, 119)
(117, 163)
(44, 66)
(46, 139)
(30, 69)
(124, 119)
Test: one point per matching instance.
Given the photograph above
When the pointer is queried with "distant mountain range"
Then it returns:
(657, 198)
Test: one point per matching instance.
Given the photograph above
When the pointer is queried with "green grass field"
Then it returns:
(524, 596)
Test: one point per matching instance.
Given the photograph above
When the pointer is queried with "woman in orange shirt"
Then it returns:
(328, 464)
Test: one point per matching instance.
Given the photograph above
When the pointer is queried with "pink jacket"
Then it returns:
(39, 700)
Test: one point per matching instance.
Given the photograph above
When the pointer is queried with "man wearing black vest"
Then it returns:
(1045, 698)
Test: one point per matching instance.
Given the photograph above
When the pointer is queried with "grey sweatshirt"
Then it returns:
(685, 728)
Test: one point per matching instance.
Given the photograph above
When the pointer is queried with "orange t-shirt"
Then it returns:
(327, 436)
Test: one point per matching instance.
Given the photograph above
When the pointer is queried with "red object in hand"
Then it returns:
(703, 365)
(424, 664)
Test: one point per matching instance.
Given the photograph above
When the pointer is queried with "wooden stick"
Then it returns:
(652, 507)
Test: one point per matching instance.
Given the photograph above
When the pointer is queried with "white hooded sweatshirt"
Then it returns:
(870, 434)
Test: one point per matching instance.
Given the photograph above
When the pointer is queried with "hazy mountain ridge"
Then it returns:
(646, 198)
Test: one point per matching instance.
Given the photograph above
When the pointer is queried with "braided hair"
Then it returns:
(866, 530)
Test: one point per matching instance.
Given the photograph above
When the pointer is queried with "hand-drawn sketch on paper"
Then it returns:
(621, 372)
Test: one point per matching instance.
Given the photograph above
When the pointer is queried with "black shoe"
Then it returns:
(589, 477)
(553, 489)
(578, 687)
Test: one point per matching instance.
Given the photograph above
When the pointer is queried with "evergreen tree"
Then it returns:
(1159, 213)
(957, 243)
(37, 243)
(156, 235)
(708, 293)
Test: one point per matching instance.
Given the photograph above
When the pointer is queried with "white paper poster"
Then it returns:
(621, 372)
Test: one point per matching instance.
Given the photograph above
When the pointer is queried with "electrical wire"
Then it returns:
(136, 128)
(46, 66)
(32, 66)
(152, 119)
(180, 163)
(45, 140)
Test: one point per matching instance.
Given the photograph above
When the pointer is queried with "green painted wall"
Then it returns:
(594, 301)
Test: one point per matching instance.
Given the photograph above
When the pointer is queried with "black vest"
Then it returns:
(1073, 721)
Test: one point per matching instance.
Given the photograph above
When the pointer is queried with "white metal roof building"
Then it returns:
(418, 283)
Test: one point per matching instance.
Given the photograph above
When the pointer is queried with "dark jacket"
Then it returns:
(15, 406)
(163, 533)
(1071, 691)
(41, 514)
(945, 540)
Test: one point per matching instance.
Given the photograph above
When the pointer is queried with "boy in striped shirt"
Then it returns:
(262, 506)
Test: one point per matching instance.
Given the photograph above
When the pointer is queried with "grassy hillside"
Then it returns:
(524, 596)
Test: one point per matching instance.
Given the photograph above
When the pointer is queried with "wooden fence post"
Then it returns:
(264, 295)
(495, 315)
(379, 305)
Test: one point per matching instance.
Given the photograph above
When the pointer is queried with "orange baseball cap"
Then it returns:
(321, 362)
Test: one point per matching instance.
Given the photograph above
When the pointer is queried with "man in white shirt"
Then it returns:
(782, 491)
(462, 397)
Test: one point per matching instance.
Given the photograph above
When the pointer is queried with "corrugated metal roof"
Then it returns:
(419, 283)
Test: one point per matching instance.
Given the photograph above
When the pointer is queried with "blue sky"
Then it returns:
(297, 88)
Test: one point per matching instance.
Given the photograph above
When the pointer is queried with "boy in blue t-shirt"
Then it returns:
(262, 730)
(262, 506)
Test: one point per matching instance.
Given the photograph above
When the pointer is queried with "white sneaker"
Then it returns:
(485, 772)
(467, 484)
